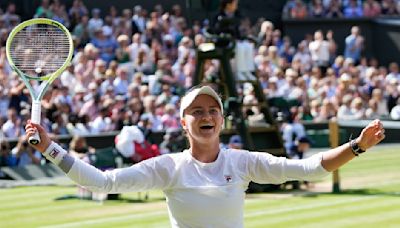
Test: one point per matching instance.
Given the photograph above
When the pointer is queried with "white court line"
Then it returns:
(105, 220)
(247, 215)
(308, 206)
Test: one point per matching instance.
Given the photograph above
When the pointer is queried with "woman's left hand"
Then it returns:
(371, 135)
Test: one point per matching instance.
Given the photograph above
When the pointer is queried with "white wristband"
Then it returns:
(55, 153)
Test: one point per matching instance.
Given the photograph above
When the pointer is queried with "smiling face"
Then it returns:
(203, 120)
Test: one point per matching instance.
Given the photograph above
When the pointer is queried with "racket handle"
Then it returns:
(35, 118)
(34, 139)
(36, 112)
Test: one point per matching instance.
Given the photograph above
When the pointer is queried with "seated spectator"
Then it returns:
(371, 8)
(102, 123)
(299, 147)
(345, 112)
(12, 127)
(395, 112)
(78, 125)
(353, 10)
(327, 111)
(143, 63)
(173, 142)
(235, 142)
(389, 7)
(299, 10)
(317, 9)
(372, 110)
(292, 130)
(6, 158)
(170, 120)
(334, 10)
(78, 148)
(44, 10)
(122, 52)
(357, 107)
(377, 95)
(25, 154)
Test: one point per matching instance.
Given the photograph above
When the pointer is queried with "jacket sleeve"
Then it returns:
(148, 174)
(265, 168)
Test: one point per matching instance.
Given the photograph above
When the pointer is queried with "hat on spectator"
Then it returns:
(107, 30)
(25, 112)
(188, 99)
(96, 11)
(168, 37)
(236, 140)
(273, 79)
(80, 89)
(122, 38)
(304, 139)
(92, 86)
(345, 77)
(393, 81)
(137, 8)
(145, 117)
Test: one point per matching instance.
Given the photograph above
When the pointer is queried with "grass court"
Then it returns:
(370, 197)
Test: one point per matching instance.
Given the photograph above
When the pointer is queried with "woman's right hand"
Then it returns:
(45, 140)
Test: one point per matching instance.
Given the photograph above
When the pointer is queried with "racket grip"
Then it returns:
(35, 118)
(34, 139)
(36, 111)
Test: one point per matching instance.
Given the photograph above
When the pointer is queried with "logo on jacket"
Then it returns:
(54, 153)
(228, 178)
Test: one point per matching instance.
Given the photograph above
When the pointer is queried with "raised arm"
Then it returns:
(152, 173)
(371, 135)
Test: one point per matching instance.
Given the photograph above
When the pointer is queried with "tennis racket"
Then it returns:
(39, 50)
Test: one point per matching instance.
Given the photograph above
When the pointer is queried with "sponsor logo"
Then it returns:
(228, 178)
(54, 153)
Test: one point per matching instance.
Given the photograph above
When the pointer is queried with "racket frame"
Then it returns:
(46, 79)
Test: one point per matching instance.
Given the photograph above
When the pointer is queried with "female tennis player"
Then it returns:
(205, 185)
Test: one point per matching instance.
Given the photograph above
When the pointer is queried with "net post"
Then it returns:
(334, 141)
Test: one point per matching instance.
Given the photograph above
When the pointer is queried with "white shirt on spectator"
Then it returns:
(4, 102)
(78, 129)
(140, 22)
(135, 47)
(25, 159)
(382, 108)
(345, 113)
(68, 80)
(120, 86)
(156, 121)
(291, 132)
(319, 51)
(94, 24)
(100, 124)
(304, 58)
(395, 113)
(10, 129)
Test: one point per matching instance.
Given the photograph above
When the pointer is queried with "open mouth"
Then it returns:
(206, 127)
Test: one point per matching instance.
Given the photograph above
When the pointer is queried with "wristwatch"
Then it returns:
(355, 148)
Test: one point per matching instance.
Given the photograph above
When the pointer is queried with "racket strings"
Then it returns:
(39, 49)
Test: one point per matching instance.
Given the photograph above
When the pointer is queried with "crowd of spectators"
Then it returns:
(131, 67)
(300, 9)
